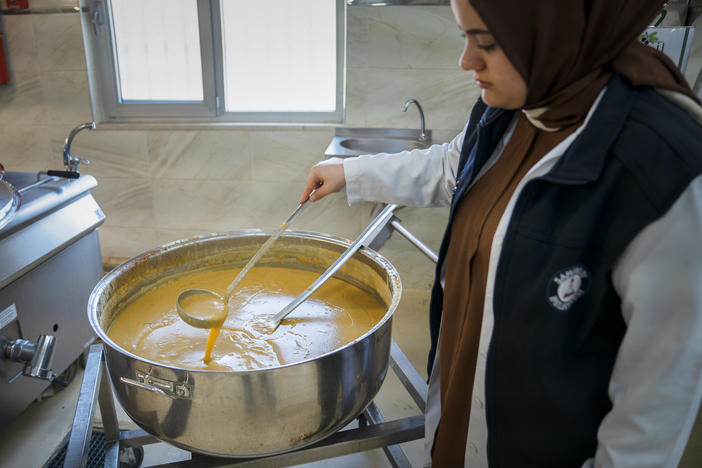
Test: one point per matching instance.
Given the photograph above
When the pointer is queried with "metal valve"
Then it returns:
(37, 357)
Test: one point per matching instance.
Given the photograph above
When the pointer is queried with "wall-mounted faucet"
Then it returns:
(69, 161)
(422, 134)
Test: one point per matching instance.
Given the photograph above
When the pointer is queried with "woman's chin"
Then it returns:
(493, 99)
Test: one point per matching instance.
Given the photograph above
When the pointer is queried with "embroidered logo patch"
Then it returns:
(567, 286)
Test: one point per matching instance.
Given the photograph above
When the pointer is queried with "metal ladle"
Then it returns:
(269, 323)
(190, 301)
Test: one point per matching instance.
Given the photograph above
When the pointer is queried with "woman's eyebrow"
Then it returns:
(476, 31)
(473, 31)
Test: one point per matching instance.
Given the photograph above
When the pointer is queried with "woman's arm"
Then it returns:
(418, 177)
(656, 383)
(423, 177)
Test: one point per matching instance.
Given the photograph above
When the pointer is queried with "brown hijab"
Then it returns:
(561, 47)
(566, 51)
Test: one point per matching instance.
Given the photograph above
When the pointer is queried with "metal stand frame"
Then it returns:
(373, 431)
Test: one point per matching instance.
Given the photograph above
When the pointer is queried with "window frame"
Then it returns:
(103, 77)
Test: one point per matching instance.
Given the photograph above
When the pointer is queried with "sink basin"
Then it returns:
(378, 145)
(355, 141)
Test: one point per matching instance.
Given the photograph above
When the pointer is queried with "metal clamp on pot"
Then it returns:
(37, 357)
(165, 387)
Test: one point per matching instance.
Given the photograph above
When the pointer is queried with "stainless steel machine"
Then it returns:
(49, 262)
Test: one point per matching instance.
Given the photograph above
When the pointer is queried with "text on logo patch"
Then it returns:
(567, 286)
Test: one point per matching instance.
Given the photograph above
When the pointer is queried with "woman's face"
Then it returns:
(501, 84)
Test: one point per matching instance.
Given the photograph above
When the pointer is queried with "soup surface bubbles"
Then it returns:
(335, 315)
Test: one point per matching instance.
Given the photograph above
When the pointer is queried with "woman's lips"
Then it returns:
(483, 84)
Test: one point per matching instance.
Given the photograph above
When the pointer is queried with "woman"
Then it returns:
(565, 317)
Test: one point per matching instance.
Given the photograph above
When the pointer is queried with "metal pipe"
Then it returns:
(417, 243)
(82, 428)
(396, 456)
(372, 229)
(415, 385)
(19, 350)
(36, 357)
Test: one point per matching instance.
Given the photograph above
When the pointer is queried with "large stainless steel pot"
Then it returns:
(247, 413)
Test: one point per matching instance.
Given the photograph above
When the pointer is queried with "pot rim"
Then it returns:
(393, 280)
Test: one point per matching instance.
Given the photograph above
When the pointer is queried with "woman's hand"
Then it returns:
(326, 177)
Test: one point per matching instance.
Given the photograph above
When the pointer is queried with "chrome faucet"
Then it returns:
(422, 134)
(69, 161)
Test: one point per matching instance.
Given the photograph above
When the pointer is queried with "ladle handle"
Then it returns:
(297, 211)
(378, 222)
(264, 248)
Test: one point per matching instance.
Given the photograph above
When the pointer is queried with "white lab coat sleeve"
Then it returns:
(656, 383)
(423, 177)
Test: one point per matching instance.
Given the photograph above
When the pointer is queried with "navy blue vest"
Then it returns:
(550, 361)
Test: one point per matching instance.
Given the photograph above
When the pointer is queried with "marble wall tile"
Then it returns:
(214, 155)
(427, 224)
(111, 153)
(445, 136)
(232, 205)
(127, 242)
(410, 326)
(416, 270)
(356, 37)
(65, 98)
(25, 148)
(333, 215)
(446, 97)
(211, 205)
(280, 156)
(126, 202)
(59, 41)
(273, 202)
(21, 101)
(20, 43)
(356, 92)
(413, 37)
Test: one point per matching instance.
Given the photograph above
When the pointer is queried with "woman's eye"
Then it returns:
(487, 47)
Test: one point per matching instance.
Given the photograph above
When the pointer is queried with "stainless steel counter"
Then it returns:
(49, 262)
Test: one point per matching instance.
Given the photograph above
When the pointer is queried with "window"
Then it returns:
(215, 61)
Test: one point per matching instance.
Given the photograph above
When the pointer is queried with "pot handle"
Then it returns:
(165, 387)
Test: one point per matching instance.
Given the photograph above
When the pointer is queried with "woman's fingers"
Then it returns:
(312, 183)
(326, 177)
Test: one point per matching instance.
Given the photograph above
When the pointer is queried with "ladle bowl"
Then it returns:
(190, 301)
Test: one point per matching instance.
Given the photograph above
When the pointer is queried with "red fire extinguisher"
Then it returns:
(19, 4)
(4, 70)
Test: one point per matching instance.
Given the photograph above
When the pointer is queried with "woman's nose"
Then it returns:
(469, 59)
